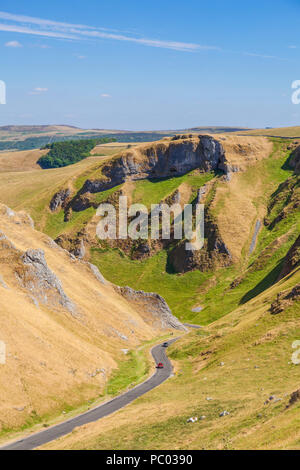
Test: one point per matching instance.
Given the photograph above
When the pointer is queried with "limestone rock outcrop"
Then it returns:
(285, 300)
(161, 160)
(42, 283)
(97, 273)
(59, 199)
(292, 259)
(153, 304)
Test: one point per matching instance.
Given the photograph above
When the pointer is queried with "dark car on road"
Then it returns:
(165, 345)
(160, 365)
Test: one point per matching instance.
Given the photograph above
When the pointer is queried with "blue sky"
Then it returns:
(149, 65)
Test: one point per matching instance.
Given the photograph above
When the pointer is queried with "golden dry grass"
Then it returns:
(51, 354)
(243, 200)
(19, 133)
(20, 161)
(256, 349)
(111, 148)
(246, 338)
(293, 132)
(32, 190)
(243, 152)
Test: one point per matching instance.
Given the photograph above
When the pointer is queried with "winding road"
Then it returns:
(50, 434)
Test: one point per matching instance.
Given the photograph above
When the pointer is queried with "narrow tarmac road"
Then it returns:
(59, 430)
(190, 325)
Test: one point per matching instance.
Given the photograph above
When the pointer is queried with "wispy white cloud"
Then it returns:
(25, 30)
(13, 44)
(263, 56)
(42, 46)
(42, 22)
(38, 91)
(55, 29)
(105, 95)
(292, 47)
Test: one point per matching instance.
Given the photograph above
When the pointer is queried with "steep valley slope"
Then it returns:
(236, 376)
(237, 178)
(239, 374)
(66, 329)
(242, 287)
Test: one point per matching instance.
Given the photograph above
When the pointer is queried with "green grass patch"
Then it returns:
(180, 291)
(55, 224)
(154, 191)
(131, 371)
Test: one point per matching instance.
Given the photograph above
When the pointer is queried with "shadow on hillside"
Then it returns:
(264, 284)
(175, 174)
(287, 166)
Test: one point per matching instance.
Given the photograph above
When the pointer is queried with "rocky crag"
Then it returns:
(63, 324)
(165, 159)
(285, 300)
(292, 259)
(149, 302)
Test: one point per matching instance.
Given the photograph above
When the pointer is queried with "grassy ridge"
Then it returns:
(254, 345)
(287, 132)
(212, 290)
(255, 349)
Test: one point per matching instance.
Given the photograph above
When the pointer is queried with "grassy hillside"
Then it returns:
(34, 137)
(65, 337)
(242, 355)
(241, 361)
(236, 364)
(288, 132)
(20, 161)
(244, 200)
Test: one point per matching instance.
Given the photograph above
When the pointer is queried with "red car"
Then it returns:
(160, 365)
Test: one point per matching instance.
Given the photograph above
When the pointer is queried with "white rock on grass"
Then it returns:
(224, 413)
(192, 420)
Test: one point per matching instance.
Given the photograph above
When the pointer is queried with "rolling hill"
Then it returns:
(241, 365)
(238, 374)
(65, 328)
(243, 288)
(33, 137)
(284, 132)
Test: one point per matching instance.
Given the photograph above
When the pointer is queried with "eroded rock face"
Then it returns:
(294, 398)
(292, 259)
(79, 252)
(59, 199)
(97, 273)
(295, 160)
(41, 282)
(285, 300)
(213, 255)
(18, 218)
(153, 304)
(161, 160)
